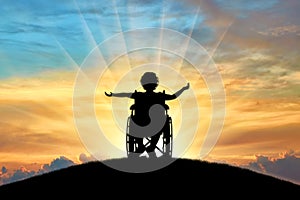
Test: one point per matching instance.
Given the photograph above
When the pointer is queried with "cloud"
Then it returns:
(276, 21)
(36, 117)
(23, 173)
(58, 163)
(286, 167)
(3, 170)
(258, 125)
(85, 158)
(214, 14)
(281, 30)
(245, 5)
(19, 174)
(259, 73)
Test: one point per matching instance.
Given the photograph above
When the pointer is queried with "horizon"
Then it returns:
(241, 177)
(243, 104)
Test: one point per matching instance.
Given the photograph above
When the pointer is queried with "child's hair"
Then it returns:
(149, 78)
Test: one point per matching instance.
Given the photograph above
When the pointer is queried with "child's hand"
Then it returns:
(187, 86)
(109, 95)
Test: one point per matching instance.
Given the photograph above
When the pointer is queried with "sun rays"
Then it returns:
(156, 54)
(156, 58)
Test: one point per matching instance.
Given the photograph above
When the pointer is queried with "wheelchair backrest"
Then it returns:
(144, 101)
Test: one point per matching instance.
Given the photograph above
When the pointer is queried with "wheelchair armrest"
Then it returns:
(133, 107)
(166, 106)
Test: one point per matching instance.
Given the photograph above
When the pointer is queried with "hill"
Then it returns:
(182, 177)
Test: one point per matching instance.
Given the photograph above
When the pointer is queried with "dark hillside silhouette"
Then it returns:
(181, 177)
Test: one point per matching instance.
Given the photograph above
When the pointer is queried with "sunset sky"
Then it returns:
(242, 59)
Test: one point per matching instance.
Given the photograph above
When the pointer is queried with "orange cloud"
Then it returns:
(36, 119)
(258, 125)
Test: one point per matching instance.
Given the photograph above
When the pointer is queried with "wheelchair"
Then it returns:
(164, 146)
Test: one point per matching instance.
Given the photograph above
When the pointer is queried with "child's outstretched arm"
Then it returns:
(178, 93)
(123, 94)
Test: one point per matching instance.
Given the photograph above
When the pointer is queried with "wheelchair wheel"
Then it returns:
(131, 141)
(164, 146)
(168, 138)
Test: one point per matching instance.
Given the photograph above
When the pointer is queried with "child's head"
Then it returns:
(149, 81)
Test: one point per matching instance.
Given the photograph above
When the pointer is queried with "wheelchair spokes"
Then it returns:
(164, 146)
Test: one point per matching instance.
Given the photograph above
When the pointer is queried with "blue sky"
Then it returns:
(36, 34)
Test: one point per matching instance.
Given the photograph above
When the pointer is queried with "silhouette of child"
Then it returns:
(143, 102)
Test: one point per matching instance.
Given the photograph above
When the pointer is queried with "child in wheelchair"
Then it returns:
(143, 102)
